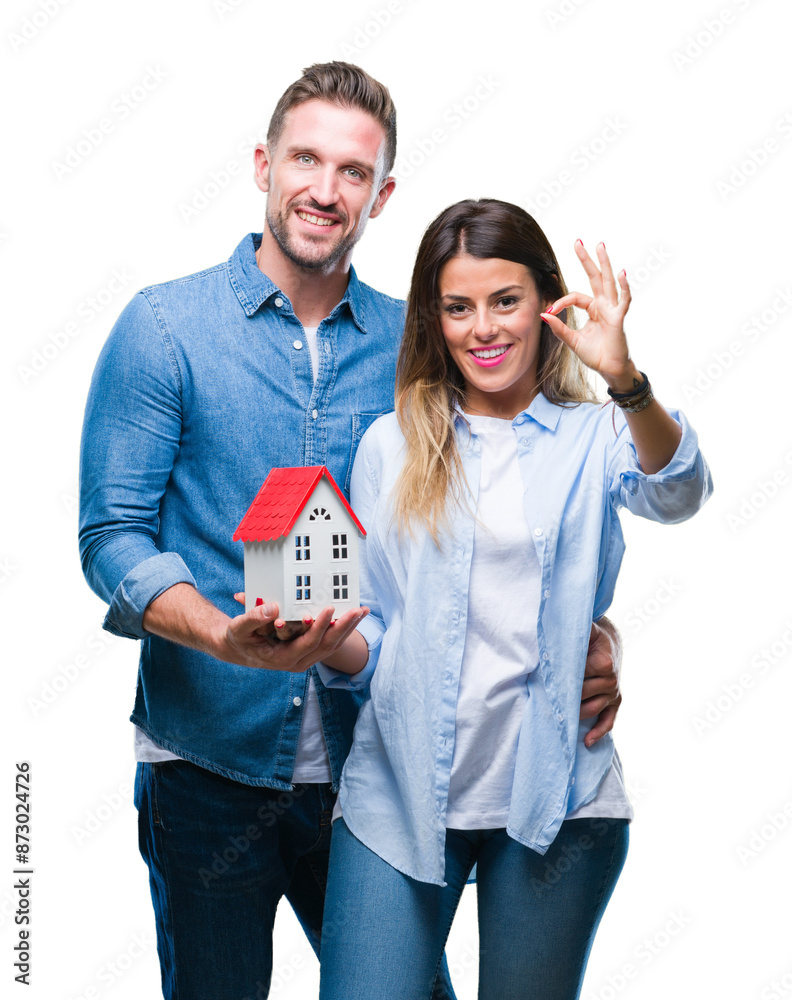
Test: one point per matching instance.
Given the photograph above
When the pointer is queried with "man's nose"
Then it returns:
(324, 189)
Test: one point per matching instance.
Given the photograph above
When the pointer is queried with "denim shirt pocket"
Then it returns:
(360, 424)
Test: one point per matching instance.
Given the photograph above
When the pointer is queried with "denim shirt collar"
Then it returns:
(541, 410)
(253, 288)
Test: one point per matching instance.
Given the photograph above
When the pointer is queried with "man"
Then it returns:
(279, 357)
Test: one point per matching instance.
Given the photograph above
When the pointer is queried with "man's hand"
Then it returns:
(601, 695)
(253, 639)
(180, 614)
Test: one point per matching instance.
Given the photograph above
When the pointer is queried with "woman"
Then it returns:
(490, 501)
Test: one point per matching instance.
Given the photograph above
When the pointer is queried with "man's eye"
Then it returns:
(356, 174)
(305, 158)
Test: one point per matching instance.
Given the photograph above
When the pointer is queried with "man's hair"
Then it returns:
(346, 86)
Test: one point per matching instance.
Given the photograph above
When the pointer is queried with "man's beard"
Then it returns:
(325, 261)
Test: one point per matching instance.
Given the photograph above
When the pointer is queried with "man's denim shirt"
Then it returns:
(578, 467)
(203, 386)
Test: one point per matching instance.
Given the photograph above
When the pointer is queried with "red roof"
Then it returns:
(280, 502)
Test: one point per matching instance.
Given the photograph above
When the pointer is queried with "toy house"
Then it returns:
(301, 544)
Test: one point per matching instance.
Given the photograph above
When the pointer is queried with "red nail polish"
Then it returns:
(580, 242)
(259, 601)
(279, 626)
(308, 621)
(549, 310)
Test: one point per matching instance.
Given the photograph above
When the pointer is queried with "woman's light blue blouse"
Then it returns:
(578, 467)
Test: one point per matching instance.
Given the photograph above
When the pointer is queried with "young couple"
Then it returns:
(490, 499)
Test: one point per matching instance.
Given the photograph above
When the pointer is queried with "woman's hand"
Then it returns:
(601, 344)
(256, 639)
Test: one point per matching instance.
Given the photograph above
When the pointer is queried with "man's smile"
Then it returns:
(316, 220)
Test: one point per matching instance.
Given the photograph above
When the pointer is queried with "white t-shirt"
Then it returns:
(501, 650)
(311, 764)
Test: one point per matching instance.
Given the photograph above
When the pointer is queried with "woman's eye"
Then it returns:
(455, 310)
(507, 301)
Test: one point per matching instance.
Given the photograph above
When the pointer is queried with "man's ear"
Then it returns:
(385, 191)
(261, 166)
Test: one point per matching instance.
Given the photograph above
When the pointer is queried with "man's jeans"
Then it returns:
(384, 932)
(221, 855)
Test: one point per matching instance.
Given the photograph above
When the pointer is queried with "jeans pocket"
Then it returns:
(360, 424)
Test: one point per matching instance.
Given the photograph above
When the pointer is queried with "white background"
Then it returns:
(690, 88)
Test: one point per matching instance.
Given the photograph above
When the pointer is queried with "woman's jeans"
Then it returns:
(384, 933)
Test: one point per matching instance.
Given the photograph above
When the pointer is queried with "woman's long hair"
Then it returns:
(428, 382)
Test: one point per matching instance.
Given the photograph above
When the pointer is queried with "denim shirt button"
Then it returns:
(538, 532)
(297, 702)
(297, 345)
(314, 414)
(279, 302)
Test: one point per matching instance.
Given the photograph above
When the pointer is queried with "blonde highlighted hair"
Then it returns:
(429, 385)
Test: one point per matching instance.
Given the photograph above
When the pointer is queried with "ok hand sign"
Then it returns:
(601, 344)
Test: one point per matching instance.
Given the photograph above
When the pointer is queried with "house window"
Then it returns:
(319, 514)
(340, 587)
(340, 550)
(302, 547)
(302, 589)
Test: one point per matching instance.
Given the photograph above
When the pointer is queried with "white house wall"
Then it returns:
(321, 565)
(264, 572)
